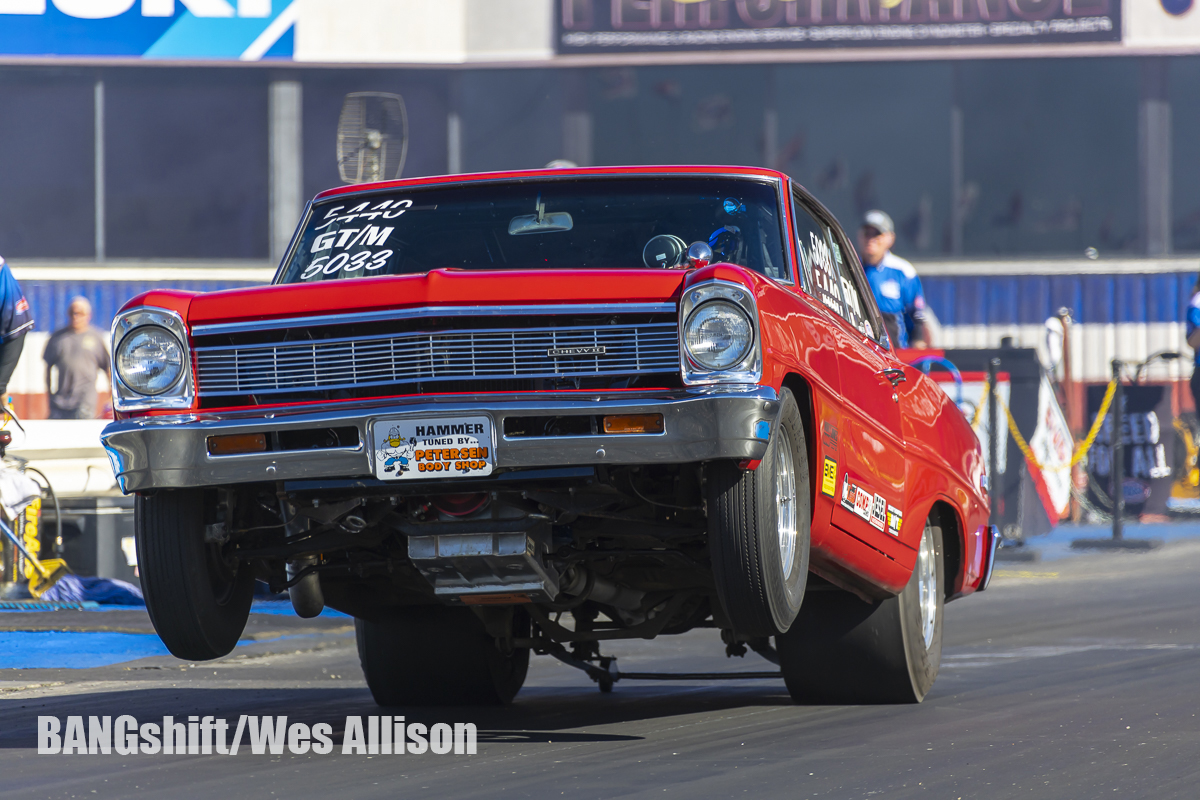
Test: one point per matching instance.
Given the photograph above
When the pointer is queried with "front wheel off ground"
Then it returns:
(197, 594)
(758, 530)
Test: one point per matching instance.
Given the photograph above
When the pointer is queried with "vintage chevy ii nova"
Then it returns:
(657, 398)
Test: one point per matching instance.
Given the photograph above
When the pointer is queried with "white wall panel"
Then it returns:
(423, 31)
(1093, 347)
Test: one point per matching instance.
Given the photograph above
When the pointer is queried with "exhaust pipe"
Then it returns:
(307, 598)
(602, 591)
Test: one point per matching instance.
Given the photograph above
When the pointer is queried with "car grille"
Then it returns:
(488, 354)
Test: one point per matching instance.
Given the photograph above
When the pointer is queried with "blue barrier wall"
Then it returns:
(49, 299)
(1032, 299)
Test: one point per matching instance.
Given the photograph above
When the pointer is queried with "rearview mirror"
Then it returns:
(547, 223)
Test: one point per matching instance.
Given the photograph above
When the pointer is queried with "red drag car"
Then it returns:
(657, 398)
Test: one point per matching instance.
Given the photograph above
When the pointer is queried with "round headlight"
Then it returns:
(150, 360)
(718, 335)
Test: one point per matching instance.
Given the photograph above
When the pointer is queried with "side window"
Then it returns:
(856, 307)
(821, 277)
(853, 277)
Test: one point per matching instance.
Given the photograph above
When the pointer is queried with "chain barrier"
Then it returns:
(1097, 514)
(1105, 404)
(1081, 450)
(983, 401)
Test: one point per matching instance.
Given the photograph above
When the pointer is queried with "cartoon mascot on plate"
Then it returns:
(394, 460)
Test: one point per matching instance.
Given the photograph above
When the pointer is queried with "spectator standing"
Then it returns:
(77, 353)
(894, 282)
(15, 322)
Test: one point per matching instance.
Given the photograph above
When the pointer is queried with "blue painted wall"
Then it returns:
(1032, 299)
(49, 299)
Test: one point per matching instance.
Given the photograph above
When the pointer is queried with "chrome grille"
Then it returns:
(491, 353)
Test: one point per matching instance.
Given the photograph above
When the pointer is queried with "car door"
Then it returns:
(869, 493)
(817, 331)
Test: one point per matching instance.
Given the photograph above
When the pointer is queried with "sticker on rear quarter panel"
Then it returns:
(857, 499)
(878, 512)
(895, 519)
(829, 477)
(829, 435)
(871, 507)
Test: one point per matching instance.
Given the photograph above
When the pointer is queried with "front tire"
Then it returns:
(842, 650)
(439, 656)
(758, 530)
(198, 596)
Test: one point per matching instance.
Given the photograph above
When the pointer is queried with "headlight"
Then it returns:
(150, 360)
(718, 335)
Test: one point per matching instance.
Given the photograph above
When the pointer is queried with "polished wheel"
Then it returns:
(843, 649)
(758, 530)
(785, 502)
(927, 586)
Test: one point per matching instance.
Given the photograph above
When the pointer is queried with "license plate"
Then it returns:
(408, 448)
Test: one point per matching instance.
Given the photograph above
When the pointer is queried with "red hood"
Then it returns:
(439, 287)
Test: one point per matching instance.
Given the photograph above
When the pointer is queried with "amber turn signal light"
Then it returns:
(634, 423)
(237, 443)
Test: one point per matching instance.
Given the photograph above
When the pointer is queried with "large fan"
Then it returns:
(372, 139)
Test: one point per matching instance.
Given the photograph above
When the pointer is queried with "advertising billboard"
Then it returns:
(610, 26)
(1162, 23)
(247, 30)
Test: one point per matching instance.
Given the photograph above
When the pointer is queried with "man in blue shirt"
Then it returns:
(1193, 340)
(894, 282)
(15, 322)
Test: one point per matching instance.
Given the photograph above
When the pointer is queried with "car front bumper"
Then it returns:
(700, 424)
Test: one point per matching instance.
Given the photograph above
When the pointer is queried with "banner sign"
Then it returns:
(1148, 436)
(246, 30)
(612, 26)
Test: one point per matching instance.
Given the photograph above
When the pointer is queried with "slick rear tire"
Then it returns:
(198, 596)
(842, 650)
(758, 530)
(439, 656)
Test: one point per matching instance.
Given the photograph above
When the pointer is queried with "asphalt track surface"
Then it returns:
(1074, 678)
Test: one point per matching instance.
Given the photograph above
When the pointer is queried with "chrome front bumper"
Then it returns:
(701, 424)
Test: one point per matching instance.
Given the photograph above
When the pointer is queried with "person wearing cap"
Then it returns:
(894, 282)
(15, 322)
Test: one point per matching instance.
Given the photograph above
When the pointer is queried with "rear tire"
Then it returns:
(842, 650)
(197, 596)
(758, 530)
(439, 656)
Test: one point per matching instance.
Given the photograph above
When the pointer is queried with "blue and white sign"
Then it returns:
(246, 30)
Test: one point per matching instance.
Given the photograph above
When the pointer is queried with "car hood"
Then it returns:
(439, 287)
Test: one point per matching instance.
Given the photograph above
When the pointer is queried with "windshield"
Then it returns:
(645, 223)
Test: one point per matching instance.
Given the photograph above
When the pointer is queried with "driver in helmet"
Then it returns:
(728, 244)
